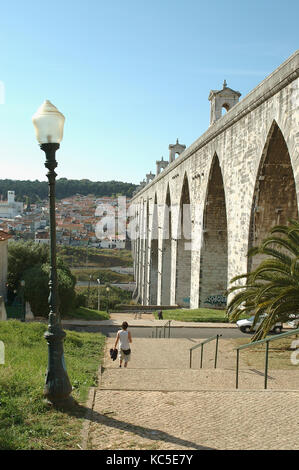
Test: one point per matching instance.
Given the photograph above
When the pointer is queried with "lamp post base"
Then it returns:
(63, 404)
(57, 387)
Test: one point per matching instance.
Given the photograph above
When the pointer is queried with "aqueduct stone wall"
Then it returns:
(241, 178)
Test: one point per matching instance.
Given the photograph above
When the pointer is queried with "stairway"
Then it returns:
(163, 365)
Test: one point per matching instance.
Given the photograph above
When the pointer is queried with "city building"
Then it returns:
(10, 208)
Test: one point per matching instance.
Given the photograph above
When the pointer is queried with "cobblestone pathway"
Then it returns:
(159, 403)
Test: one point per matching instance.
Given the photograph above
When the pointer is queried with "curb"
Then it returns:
(90, 405)
(118, 324)
(87, 419)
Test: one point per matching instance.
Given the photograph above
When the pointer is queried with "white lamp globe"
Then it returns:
(48, 124)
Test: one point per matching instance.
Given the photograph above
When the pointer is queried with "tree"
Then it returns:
(21, 256)
(29, 261)
(273, 287)
(89, 297)
(37, 289)
(38, 190)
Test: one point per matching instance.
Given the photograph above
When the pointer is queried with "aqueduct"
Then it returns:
(230, 187)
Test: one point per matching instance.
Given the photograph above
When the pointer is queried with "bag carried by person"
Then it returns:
(126, 351)
(113, 354)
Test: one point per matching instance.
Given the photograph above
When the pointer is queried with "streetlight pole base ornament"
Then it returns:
(57, 387)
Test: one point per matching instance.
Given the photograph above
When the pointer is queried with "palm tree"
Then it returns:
(273, 287)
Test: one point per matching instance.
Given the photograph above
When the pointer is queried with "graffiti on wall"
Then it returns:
(219, 300)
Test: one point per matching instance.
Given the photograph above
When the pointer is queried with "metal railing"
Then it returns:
(262, 341)
(160, 331)
(201, 345)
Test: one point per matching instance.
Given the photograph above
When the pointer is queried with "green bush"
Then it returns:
(37, 289)
(29, 261)
(89, 297)
(22, 256)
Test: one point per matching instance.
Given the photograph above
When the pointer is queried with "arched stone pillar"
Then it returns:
(274, 199)
(183, 255)
(166, 252)
(214, 253)
(154, 242)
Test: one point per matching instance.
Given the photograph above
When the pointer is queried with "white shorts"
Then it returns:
(123, 356)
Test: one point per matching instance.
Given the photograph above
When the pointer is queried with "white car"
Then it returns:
(294, 323)
(246, 325)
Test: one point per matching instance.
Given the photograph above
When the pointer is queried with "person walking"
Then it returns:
(125, 338)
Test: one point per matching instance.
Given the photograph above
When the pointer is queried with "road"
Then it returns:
(125, 286)
(117, 269)
(147, 332)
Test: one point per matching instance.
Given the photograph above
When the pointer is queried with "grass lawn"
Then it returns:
(26, 421)
(105, 275)
(279, 353)
(195, 315)
(76, 256)
(84, 313)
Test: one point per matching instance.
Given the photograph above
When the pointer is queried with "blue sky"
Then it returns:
(130, 76)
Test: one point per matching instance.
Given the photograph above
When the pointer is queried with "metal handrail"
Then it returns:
(167, 324)
(261, 341)
(159, 330)
(216, 337)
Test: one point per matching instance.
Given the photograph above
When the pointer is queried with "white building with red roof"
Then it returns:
(10, 208)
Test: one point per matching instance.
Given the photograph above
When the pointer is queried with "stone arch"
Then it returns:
(153, 282)
(225, 108)
(274, 198)
(214, 249)
(139, 247)
(166, 251)
(146, 254)
(183, 260)
(135, 237)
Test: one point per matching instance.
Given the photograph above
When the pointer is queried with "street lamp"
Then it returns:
(48, 123)
(22, 283)
(99, 283)
(88, 290)
(107, 290)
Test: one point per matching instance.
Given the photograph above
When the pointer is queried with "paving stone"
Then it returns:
(159, 403)
(195, 420)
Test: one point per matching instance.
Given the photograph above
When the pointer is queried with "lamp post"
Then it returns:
(48, 123)
(107, 290)
(23, 300)
(88, 290)
(99, 282)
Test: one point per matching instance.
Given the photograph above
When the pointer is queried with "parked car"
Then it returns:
(246, 325)
(294, 321)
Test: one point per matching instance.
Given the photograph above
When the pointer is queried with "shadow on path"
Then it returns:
(147, 433)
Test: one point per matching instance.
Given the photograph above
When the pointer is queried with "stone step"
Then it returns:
(164, 365)
(195, 380)
(173, 353)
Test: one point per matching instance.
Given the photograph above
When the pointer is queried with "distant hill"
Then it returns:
(36, 190)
